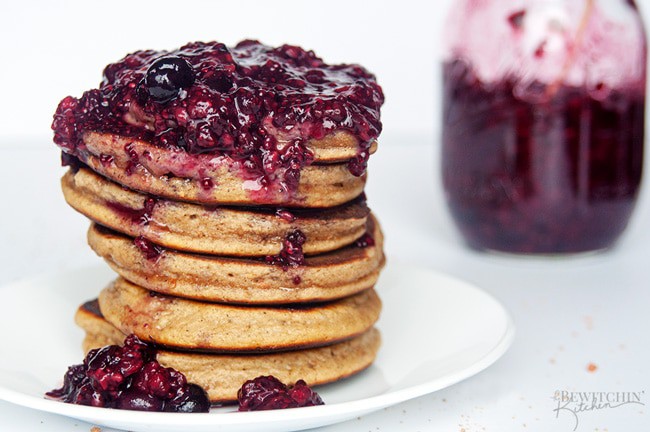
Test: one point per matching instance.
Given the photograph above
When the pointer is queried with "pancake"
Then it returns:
(212, 230)
(337, 147)
(192, 164)
(221, 375)
(334, 275)
(242, 125)
(177, 175)
(192, 325)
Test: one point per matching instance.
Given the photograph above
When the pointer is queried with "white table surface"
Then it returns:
(569, 312)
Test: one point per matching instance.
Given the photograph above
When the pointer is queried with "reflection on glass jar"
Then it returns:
(543, 122)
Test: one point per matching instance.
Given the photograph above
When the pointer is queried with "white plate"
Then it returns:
(436, 331)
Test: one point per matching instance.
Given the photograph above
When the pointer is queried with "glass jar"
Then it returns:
(543, 122)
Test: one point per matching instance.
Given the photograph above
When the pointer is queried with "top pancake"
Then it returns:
(337, 147)
(218, 180)
(242, 125)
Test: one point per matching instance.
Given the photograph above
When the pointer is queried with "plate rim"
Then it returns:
(339, 411)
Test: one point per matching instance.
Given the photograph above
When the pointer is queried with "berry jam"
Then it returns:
(267, 393)
(366, 240)
(137, 216)
(286, 215)
(130, 378)
(255, 104)
(559, 174)
(291, 254)
(150, 250)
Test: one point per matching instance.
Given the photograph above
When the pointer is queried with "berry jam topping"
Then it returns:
(291, 254)
(138, 216)
(252, 103)
(267, 393)
(129, 377)
(366, 240)
(150, 250)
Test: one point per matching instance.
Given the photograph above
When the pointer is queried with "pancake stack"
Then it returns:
(225, 188)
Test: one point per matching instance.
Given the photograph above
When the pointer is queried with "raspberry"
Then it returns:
(267, 392)
(129, 377)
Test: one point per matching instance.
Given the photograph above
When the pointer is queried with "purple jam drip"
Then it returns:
(359, 163)
(150, 250)
(291, 254)
(285, 214)
(129, 377)
(206, 184)
(134, 159)
(366, 240)
(208, 98)
(268, 392)
(516, 19)
(70, 161)
(554, 176)
(138, 216)
(106, 160)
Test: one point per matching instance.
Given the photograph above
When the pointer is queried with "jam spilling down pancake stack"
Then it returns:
(225, 188)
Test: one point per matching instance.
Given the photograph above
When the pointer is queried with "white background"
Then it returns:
(568, 312)
(51, 49)
(59, 48)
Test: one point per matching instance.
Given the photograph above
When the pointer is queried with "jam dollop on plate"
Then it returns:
(268, 392)
(129, 377)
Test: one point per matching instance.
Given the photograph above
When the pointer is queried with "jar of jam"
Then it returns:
(543, 122)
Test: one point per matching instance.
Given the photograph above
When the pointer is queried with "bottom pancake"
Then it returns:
(222, 375)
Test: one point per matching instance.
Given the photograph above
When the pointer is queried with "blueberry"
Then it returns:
(166, 77)
(139, 401)
(192, 399)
